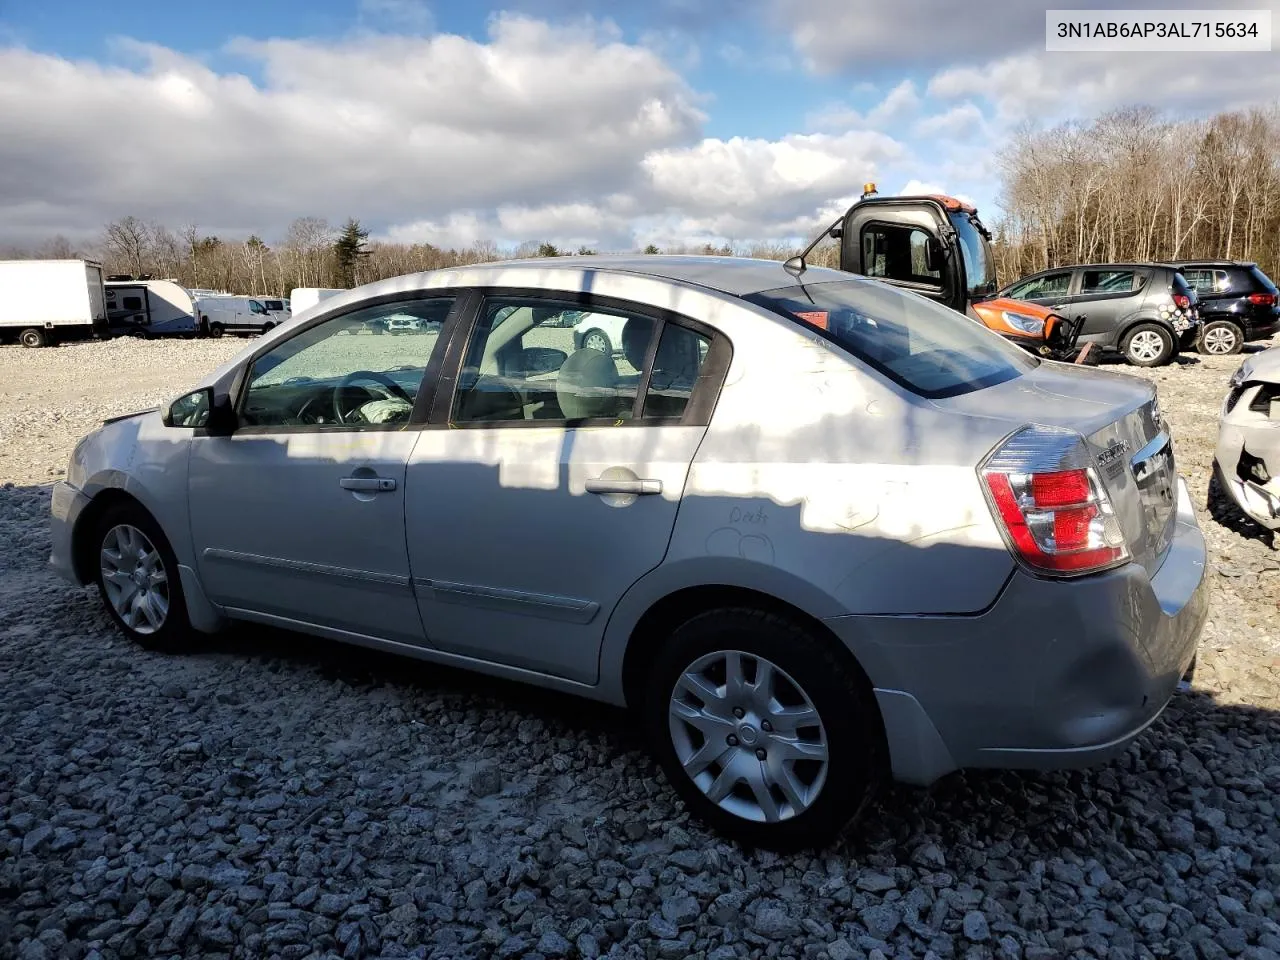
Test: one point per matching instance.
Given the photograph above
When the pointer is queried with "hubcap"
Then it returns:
(135, 579)
(1146, 345)
(748, 736)
(1219, 340)
(595, 342)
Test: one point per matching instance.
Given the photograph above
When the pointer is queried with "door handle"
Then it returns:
(639, 487)
(374, 484)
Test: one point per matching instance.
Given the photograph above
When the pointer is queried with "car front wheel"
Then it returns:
(764, 732)
(1148, 345)
(137, 576)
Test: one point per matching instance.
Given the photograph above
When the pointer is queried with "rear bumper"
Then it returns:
(1054, 674)
(65, 506)
(1262, 328)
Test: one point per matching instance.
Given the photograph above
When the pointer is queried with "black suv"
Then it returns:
(1145, 311)
(1238, 303)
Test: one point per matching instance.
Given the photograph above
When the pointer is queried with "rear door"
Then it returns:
(1108, 297)
(548, 481)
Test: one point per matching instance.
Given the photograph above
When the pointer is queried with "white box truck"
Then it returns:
(304, 298)
(44, 301)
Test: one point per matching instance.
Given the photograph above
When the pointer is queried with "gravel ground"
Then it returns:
(278, 796)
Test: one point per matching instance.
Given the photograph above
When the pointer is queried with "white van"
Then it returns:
(219, 315)
(150, 308)
(280, 308)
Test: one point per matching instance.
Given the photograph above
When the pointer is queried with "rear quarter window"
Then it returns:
(1264, 282)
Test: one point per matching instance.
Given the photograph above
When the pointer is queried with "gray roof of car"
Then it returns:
(737, 276)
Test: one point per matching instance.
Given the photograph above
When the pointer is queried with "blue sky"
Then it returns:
(669, 121)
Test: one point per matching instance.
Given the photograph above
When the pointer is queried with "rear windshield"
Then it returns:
(1262, 280)
(929, 349)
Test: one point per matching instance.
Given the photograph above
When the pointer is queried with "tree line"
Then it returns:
(1132, 185)
(1127, 185)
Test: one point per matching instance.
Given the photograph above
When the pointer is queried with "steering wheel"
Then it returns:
(395, 389)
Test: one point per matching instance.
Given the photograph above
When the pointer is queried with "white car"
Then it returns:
(1247, 460)
(824, 530)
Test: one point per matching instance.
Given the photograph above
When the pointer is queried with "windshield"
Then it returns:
(931, 350)
(979, 267)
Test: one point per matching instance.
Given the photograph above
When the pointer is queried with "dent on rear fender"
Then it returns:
(836, 480)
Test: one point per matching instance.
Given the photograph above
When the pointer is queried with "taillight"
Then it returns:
(1181, 301)
(1263, 299)
(1055, 513)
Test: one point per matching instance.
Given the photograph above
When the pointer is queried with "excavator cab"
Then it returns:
(936, 246)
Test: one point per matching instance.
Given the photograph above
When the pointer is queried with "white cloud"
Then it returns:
(898, 103)
(963, 122)
(386, 128)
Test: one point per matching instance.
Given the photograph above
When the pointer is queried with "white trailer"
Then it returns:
(150, 308)
(304, 298)
(219, 315)
(44, 301)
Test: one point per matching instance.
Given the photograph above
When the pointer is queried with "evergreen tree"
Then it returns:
(348, 251)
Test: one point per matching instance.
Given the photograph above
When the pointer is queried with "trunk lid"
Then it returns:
(1118, 416)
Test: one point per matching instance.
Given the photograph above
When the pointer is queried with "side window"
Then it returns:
(1042, 288)
(133, 303)
(676, 365)
(897, 253)
(535, 359)
(1107, 281)
(256, 307)
(1201, 281)
(340, 374)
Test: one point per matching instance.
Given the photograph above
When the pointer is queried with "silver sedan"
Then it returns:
(814, 530)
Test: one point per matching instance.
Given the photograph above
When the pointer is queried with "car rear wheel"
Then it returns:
(33, 337)
(1148, 345)
(216, 329)
(763, 731)
(137, 576)
(1221, 338)
(598, 340)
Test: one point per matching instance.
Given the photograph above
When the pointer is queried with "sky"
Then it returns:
(610, 125)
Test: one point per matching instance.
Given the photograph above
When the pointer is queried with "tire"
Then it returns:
(598, 340)
(216, 329)
(1220, 338)
(266, 328)
(124, 530)
(805, 668)
(34, 337)
(1148, 345)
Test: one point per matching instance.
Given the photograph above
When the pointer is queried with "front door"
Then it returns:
(551, 483)
(299, 514)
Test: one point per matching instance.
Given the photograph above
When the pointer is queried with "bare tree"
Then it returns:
(130, 239)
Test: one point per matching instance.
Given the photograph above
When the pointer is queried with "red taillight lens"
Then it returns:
(1181, 301)
(1263, 299)
(1056, 521)
(1066, 488)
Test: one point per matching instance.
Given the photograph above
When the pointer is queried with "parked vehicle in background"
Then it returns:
(281, 310)
(826, 530)
(150, 308)
(304, 298)
(1246, 463)
(936, 246)
(1144, 311)
(44, 301)
(1239, 303)
(219, 315)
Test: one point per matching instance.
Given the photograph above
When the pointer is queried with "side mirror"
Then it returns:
(933, 254)
(201, 409)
